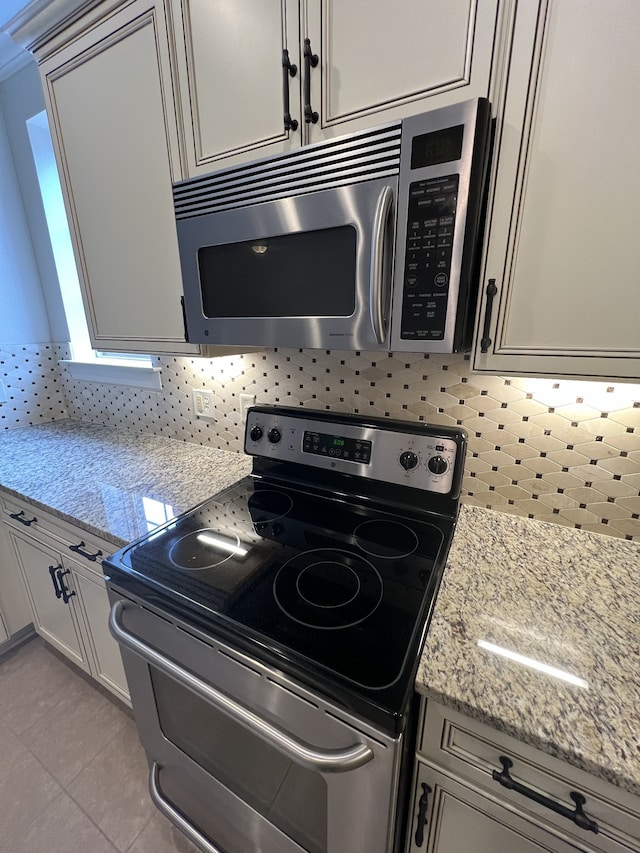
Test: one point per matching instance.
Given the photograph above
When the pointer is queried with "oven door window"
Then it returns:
(307, 274)
(291, 797)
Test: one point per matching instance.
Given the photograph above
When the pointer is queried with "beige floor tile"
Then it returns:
(113, 788)
(61, 828)
(68, 738)
(160, 836)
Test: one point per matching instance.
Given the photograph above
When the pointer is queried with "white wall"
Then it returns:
(32, 309)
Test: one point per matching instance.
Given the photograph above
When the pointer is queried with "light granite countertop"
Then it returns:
(556, 596)
(111, 481)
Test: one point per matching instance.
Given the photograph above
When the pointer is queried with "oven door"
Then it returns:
(313, 270)
(242, 759)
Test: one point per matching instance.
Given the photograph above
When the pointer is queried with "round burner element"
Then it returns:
(268, 505)
(328, 588)
(204, 549)
(385, 539)
(328, 584)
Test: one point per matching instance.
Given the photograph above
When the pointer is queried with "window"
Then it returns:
(85, 363)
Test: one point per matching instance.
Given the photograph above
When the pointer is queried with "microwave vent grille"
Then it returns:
(360, 157)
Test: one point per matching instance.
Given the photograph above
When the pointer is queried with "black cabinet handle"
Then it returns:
(423, 805)
(52, 573)
(18, 516)
(485, 343)
(288, 70)
(310, 61)
(576, 815)
(64, 590)
(77, 549)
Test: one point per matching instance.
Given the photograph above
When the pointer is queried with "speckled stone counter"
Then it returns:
(107, 480)
(558, 596)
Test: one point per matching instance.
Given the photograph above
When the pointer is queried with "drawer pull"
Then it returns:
(17, 516)
(77, 549)
(64, 590)
(577, 815)
(423, 805)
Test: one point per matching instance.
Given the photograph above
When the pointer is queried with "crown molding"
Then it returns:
(41, 20)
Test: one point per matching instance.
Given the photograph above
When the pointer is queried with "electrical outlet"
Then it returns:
(203, 405)
(3, 392)
(246, 401)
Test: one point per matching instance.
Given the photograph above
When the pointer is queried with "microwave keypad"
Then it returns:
(430, 229)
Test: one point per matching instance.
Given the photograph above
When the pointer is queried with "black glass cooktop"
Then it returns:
(334, 588)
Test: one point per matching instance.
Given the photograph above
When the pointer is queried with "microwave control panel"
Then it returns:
(429, 246)
(443, 166)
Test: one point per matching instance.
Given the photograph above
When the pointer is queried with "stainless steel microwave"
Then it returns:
(364, 242)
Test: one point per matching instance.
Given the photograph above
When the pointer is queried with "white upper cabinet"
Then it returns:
(358, 64)
(379, 61)
(563, 249)
(109, 97)
(230, 56)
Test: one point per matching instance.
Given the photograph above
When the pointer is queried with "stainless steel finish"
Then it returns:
(360, 805)
(354, 205)
(378, 302)
(330, 761)
(464, 113)
(362, 156)
(175, 816)
(387, 446)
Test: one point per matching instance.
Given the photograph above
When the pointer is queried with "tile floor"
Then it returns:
(73, 776)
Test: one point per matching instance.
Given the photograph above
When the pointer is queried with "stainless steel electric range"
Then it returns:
(271, 635)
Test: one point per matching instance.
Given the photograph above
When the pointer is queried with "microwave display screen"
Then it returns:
(440, 146)
(306, 274)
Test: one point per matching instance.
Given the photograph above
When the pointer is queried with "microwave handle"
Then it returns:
(376, 291)
(324, 761)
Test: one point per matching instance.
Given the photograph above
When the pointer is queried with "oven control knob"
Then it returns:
(408, 460)
(274, 435)
(437, 465)
(255, 433)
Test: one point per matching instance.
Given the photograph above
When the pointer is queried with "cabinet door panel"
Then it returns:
(53, 618)
(106, 651)
(230, 64)
(568, 299)
(396, 59)
(117, 149)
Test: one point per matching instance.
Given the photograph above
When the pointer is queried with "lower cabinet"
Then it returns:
(61, 569)
(458, 804)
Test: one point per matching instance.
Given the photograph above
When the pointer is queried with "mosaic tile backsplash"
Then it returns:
(31, 384)
(555, 450)
(561, 451)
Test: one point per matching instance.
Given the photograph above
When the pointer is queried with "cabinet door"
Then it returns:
(455, 818)
(110, 100)
(54, 620)
(106, 652)
(380, 61)
(230, 66)
(563, 248)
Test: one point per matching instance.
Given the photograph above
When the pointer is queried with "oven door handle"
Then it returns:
(376, 287)
(325, 761)
(176, 817)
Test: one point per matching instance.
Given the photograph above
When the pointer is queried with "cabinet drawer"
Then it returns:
(472, 750)
(85, 548)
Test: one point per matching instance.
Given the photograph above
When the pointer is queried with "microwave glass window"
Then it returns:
(310, 274)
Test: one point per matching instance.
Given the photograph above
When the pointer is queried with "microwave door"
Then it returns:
(311, 271)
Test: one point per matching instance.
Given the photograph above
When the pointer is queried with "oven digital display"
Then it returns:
(337, 446)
